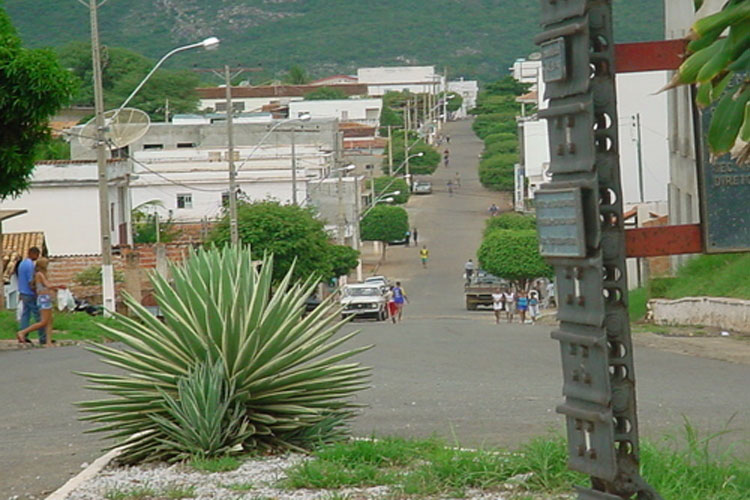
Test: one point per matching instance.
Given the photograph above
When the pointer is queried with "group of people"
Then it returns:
(36, 298)
(508, 302)
(395, 299)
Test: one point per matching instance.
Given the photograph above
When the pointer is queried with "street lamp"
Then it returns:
(108, 282)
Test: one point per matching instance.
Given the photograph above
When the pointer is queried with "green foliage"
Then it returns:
(53, 149)
(489, 103)
(325, 37)
(384, 223)
(343, 259)
(495, 123)
(291, 233)
(500, 137)
(418, 165)
(122, 71)
(325, 94)
(501, 147)
(223, 463)
(297, 75)
(224, 318)
(510, 220)
(145, 224)
(637, 300)
(496, 172)
(387, 184)
(506, 85)
(92, 276)
(33, 86)
(68, 326)
(513, 255)
(455, 102)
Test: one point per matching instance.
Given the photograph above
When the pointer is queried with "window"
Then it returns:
(225, 199)
(372, 113)
(185, 201)
(153, 146)
(185, 145)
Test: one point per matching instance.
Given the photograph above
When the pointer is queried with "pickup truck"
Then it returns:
(361, 300)
(478, 291)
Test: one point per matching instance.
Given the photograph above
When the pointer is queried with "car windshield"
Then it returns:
(362, 292)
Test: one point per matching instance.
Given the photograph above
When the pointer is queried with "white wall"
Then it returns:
(414, 79)
(63, 203)
(251, 104)
(535, 151)
(468, 90)
(359, 110)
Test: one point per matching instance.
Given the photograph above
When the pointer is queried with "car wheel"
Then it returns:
(382, 316)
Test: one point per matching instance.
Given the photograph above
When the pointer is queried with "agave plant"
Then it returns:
(235, 365)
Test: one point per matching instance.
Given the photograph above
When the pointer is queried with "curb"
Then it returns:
(89, 472)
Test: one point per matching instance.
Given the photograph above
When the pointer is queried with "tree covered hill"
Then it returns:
(474, 38)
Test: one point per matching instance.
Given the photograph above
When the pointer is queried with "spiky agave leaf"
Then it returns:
(220, 308)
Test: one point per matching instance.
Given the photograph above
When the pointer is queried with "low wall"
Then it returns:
(721, 312)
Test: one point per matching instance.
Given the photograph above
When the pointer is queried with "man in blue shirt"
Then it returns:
(28, 295)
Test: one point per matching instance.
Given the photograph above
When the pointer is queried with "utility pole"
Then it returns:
(233, 230)
(407, 125)
(356, 237)
(341, 216)
(108, 280)
(445, 97)
(294, 168)
(390, 152)
(166, 111)
(640, 157)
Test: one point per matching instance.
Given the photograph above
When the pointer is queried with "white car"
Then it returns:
(364, 300)
(381, 281)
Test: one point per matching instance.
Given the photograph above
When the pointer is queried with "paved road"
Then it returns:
(443, 370)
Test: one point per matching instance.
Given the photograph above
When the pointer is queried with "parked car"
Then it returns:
(422, 187)
(364, 300)
(381, 281)
(478, 292)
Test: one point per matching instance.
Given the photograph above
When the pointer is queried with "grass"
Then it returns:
(239, 486)
(220, 464)
(148, 493)
(725, 275)
(429, 468)
(66, 325)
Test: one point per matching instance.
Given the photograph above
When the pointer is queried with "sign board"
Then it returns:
(553, 60)
(559, 221)
(725, 198)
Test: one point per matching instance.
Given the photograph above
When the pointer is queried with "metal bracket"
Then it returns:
(556, 10)
(590, 436)
(571, 134)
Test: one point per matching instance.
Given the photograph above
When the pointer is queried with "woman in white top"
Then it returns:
(510, 304)
(498, 304)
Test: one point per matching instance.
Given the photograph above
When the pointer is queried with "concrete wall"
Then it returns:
(469, 91)
(415, 79)
(356, 110)
(721, 312)
(245, 104)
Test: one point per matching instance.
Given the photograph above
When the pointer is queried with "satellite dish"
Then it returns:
(122, 127)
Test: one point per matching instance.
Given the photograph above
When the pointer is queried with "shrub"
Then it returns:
(501, 147)
(501, 136)
(384, 223)
(386, 184)
(92, 276)
(496, 172)
(485, 125)
(419, 165)
(231, 348)
(510, 220)
(513, 255)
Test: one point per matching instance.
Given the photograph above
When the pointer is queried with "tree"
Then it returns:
(297, 75)
(343, 259)
(384, 223)
(122, 71)
(325, 94)
(145, 224)
(496, 172)
(419, 165)
(510, 220)
(387, 184)
(33, 86)
(513, 255)
(291, 233)
(455, 102)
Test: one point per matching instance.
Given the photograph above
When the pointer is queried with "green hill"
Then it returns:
(474, 38)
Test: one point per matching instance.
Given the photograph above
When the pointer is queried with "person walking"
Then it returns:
(407, 237)
(414, 235)
(450, 187)
(43, 289)
(510, 304)
(493, 210)
(458, 180)
(391, 304)
(533, 305)
(498, 304)
(522, 304)
(26, 273)
(424, 256)
(469, 270)
(400, 298)
(446, 155)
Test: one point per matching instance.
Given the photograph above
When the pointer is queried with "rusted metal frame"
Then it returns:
(664, 240)
(658, 55)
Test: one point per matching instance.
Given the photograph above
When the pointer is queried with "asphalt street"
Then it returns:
(443, 370)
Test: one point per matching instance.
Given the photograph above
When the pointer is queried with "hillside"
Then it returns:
(474, 38)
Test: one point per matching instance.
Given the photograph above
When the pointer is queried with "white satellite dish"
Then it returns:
(122, 127)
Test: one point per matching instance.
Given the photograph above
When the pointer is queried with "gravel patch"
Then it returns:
(263, 474)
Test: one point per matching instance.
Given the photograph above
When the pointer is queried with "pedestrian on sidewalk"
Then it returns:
(510, 304)
(498, 304)
(493, 210)
(446, 155)
(458, 180)
(43, 289)
(448, 139)
(391, 304)
(522, 304)
(415, 234)
(26, 273)
(424, 256)
(407, 237)
(450, 188)
(400, 298)
(533, 305)
(469, 270)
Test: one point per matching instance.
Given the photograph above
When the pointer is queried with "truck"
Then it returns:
(478, 290)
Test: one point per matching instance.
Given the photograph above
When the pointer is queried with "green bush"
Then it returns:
(384, 223)
(659, 287)
(92, 276)
(232, 347)
(387, 184)
(419, 165)
(513, 255)
(510, 220)
(496, 172)
(499, 137)
(485, 125)
(501, 147)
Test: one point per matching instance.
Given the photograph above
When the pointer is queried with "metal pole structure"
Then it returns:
(356, 237)
(294, 168)
(445, 96)
(105, 230)
(640, 157)
(407, 124)
(341, 232)
(233, 222)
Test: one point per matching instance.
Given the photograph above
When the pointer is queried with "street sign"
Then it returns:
(559, 219)
(553, 60)
(725, 191)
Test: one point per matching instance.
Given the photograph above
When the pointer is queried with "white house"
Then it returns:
(366, 111)
(469, 91)
(63, 202)
(414, 79)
